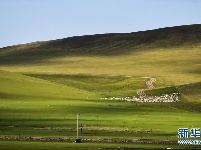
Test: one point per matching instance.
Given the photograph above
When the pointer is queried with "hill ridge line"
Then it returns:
(103, 34)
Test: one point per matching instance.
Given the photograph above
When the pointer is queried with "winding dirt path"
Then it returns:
(149, 84)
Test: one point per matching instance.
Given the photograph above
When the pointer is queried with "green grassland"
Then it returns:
(44, 84)
(178, 65)
(50, 105)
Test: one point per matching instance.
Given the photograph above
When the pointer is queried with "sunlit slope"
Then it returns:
(110, 86)
(173, 53)
(181, 66)
(123, 86)
(16, 86)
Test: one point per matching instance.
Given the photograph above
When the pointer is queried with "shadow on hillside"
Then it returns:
(102, 44)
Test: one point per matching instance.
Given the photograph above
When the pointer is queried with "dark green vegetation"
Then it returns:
(44, 84)
(82, 146)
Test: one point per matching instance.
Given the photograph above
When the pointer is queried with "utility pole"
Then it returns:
(77, 124)
(77, 140)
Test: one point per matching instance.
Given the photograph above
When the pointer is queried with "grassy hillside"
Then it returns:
(44, 84)
(178, 65)
(108, 86)
(173, 53)
(49, 111)
(110, 44)
(14, 86)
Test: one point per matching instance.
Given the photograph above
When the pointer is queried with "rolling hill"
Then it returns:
(17, 86)
(44, 84)
(173, 53)
(108, 44)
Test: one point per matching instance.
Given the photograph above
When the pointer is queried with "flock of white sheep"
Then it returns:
(165, 98)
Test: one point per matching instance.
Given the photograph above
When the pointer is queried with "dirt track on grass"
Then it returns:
(149, 86)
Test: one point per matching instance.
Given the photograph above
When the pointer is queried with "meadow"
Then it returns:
(41, 91)
(50, 109)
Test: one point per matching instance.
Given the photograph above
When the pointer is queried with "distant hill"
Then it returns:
(103, 44)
